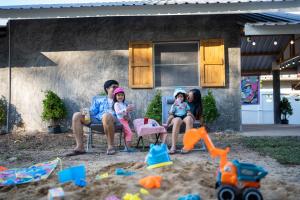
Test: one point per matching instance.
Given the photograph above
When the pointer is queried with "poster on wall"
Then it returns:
(250, 90)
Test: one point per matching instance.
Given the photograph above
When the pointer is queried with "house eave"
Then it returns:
(151, 10)
(272, 29)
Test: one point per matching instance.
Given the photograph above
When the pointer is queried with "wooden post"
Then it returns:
(276, 92)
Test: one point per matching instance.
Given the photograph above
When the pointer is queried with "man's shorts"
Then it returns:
(95, 120)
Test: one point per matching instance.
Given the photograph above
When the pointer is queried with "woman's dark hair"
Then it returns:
(197, 101)
(115, 100)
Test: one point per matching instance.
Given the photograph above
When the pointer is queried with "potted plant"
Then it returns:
(3, 107)
(54, 111)
(210, 111)
(285, 110)
(154, 109)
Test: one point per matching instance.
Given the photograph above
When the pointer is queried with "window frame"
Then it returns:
(198, 63)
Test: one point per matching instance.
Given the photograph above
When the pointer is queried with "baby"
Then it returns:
(179, 108)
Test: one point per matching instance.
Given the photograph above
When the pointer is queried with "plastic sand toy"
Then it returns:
(190, 197)
(123, 172)
(129, 196)
(151, 182)
(158, 156)
(144, 192)
(75, 174)
(56, 193)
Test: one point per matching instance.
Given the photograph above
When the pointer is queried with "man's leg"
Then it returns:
(78, 131)
(109, 128)
(175, 130)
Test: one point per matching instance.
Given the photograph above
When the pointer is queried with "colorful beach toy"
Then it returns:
(75, 174)
(190, 197)
(151, 182)
(3, 168)
(123, 172)
(56, 193)
(158, 156)
(129, 196)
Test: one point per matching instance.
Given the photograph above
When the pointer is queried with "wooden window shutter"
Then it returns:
(140, 65)
(212, 63)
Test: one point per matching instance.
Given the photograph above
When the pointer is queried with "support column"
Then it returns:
(276, 93)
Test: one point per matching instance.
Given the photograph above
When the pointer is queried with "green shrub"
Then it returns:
(154, 109)
(210, 111)
(285, 108)
(3, 111)
(53, 107)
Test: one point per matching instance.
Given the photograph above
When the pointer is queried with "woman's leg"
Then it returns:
(189, 123)
(176, 122)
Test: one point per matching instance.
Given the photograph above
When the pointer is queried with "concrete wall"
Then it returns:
(74, 57)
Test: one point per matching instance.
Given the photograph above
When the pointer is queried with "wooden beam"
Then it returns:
(266, 71)
(256, 72)
(260, 54)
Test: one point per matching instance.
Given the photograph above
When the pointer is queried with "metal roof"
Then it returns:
(274, 17)
(259, 57)
(108, 8)
(249, 61)
(96, 3)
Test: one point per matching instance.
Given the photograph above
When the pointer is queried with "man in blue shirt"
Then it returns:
(101, 112)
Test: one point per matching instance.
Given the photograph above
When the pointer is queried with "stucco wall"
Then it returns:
(74, 57)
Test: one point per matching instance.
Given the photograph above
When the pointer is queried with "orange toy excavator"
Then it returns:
(234, 179)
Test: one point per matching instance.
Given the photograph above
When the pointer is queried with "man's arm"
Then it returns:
(94, 109)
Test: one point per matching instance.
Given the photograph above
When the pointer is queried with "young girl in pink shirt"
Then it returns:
(122, 111)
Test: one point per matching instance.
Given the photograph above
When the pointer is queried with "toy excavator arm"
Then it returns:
(193, 136)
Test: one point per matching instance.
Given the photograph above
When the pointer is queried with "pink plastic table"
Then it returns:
(147, 129)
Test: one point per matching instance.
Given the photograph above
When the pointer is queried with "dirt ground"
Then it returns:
(190, 173)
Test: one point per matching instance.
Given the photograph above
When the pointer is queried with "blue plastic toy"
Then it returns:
(75, 174)
(249, 172)
(190, 197)
(158, 156)
(123, 172)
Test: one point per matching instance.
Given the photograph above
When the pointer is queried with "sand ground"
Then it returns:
(190, 173)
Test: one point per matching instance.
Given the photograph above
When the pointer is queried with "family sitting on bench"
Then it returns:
(111, 110)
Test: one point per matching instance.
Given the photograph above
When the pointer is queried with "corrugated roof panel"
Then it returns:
(257, 63)
(264, 43)
(95, 3)
(270, 17)
(265, 46)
